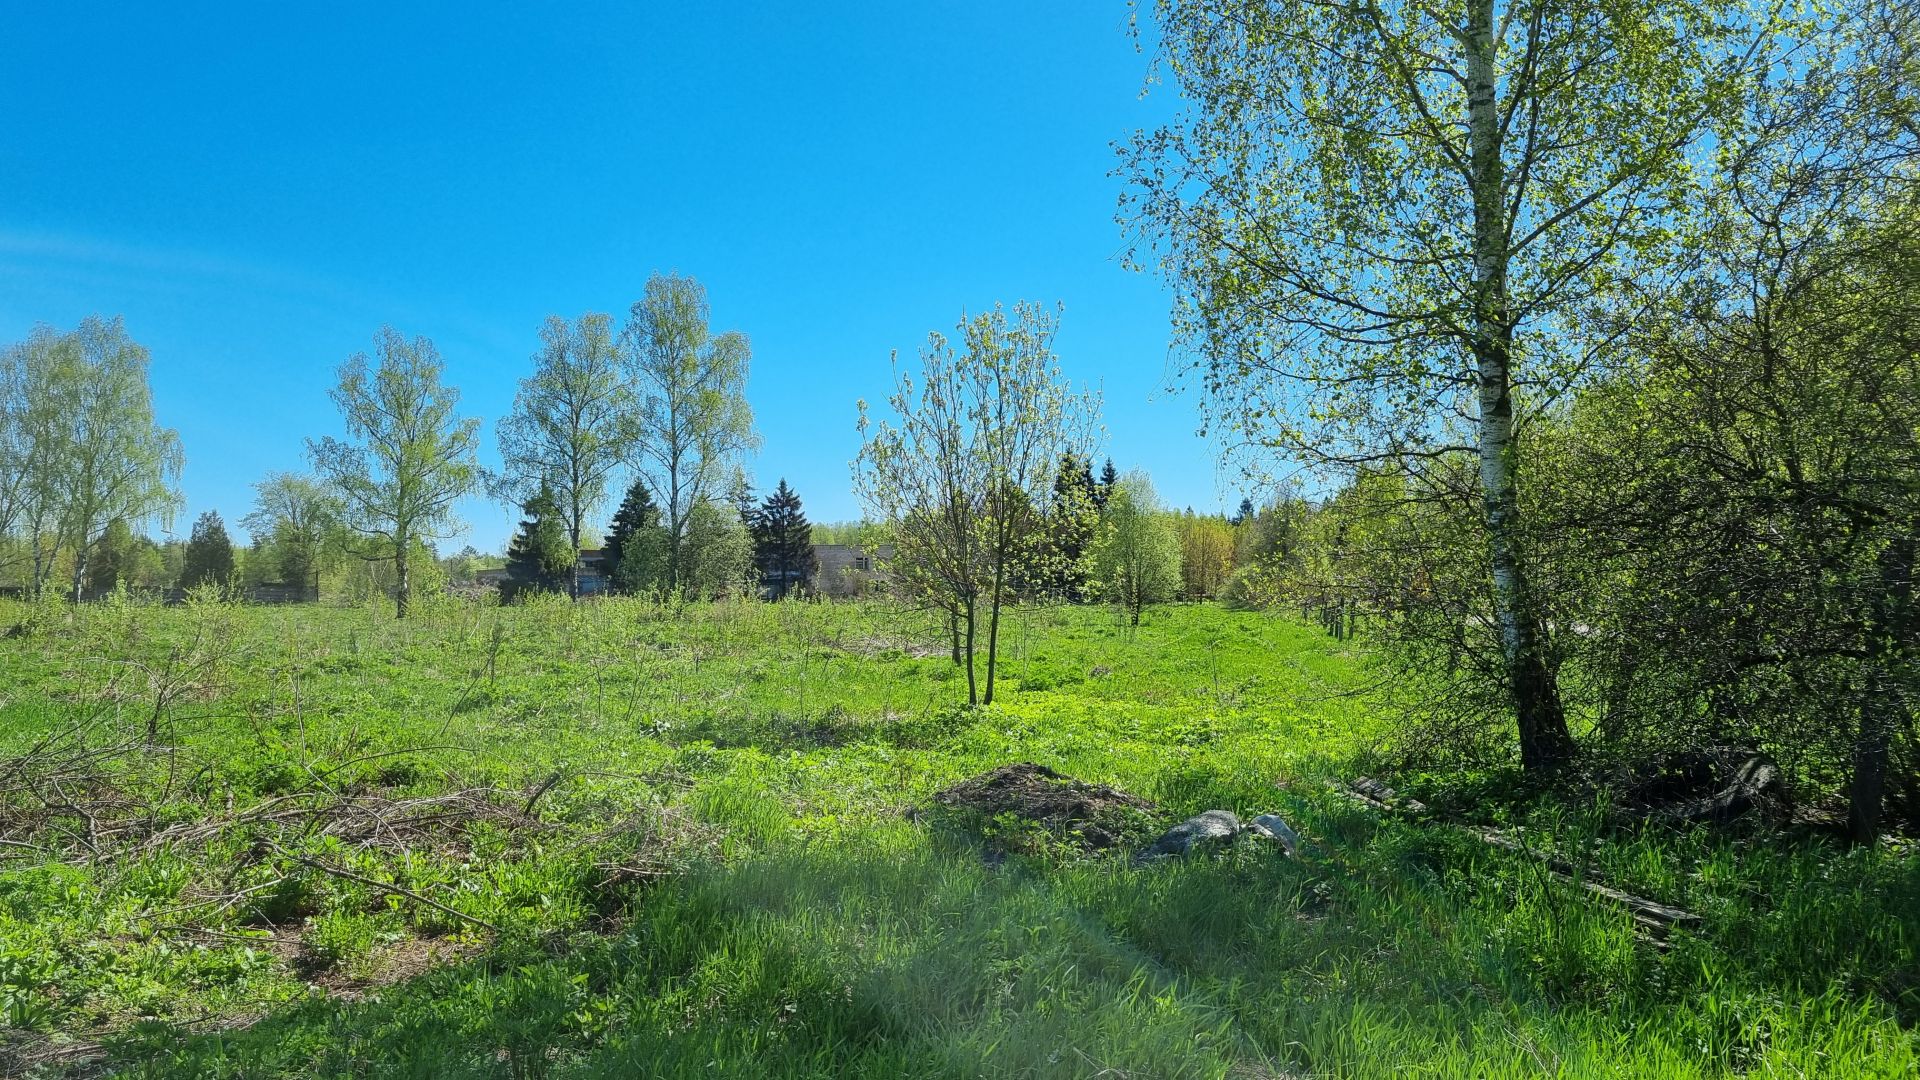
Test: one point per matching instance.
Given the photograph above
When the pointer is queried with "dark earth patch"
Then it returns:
(1091, 817)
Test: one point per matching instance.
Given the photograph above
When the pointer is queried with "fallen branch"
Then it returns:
(545, 786)
(1643, 910)
(342, 872)
(1653, 915)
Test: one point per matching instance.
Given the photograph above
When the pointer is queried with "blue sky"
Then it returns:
(258, 187)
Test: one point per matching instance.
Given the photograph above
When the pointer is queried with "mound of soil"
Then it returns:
(1092, 816)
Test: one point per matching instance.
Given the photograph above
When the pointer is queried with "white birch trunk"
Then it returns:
(1544, 741)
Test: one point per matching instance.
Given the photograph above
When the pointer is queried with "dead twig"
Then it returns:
(545, 786)
(372, 883)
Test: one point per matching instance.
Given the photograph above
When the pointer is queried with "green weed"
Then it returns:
(690, 841)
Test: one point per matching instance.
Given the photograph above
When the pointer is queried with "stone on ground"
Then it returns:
(1212, 827)
(1270, 827)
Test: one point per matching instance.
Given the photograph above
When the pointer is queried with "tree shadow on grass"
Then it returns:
(898, 953)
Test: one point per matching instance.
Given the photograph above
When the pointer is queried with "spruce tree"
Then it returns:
(541, 555)
(1246, 513)
(744, 504)
(209, 554)
(1069, 528)
(112, 558)
(635, 542)
(782, 541)
(1109, 476)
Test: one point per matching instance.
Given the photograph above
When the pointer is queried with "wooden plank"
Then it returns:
(1655, 916)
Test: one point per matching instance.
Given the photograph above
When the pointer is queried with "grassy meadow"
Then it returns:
(618, 839)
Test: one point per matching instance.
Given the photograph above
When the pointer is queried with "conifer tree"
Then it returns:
(636, 543)
(1109, 476)
(209, 555)
(541, 555)
(113, 558)
(744, 505)
(1068, 531)
(783, 542)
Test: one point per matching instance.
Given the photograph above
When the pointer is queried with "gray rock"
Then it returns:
(1212, 827)
(1270, 827)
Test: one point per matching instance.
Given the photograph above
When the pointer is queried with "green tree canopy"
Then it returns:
(209, 555)
(1137, 556)
(410, 456)
(692, 422)
(571, 423)
(294, 524)
(717, 557)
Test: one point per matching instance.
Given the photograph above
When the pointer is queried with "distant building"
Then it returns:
(848, 570)
(595, 575)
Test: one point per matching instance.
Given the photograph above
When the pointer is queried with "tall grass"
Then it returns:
(725, 878)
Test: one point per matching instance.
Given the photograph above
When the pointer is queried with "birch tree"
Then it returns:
(80, 443)
(1382, 218)
(16, 455)
(961, 471)
(294, 516)
(36, 377)
(1137, 555)
(691, 423)
(410, 456)
(569, 425)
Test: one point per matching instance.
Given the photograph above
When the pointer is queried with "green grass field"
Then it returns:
(620, 840)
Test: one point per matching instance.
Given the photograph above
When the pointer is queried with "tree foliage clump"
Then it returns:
(1206, 555)
(783, 543)
(209, 556)
(410, 456)
(1136, 557)
(960, 473)
(123, 558)
(295, 524)
(716, 557)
